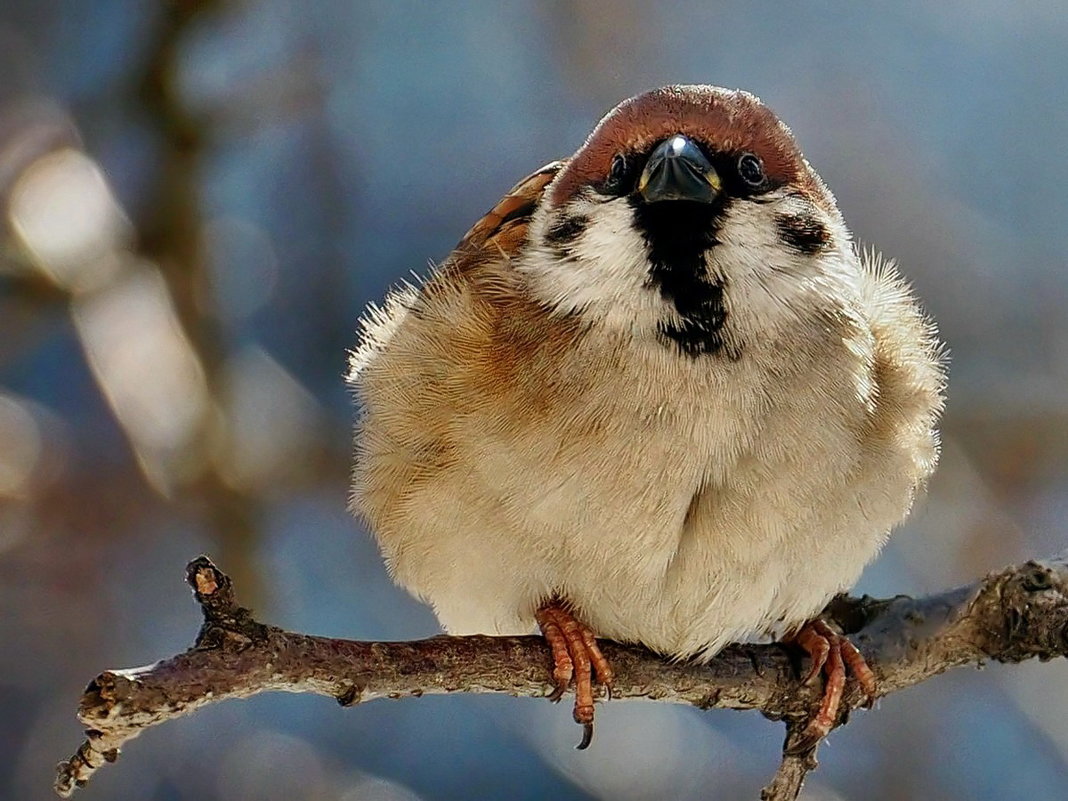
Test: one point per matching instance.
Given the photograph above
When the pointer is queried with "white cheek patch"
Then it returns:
(605, 273)
(771, 286)
(601, 272)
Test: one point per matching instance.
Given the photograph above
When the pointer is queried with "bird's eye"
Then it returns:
(616, 174)
(751, 169)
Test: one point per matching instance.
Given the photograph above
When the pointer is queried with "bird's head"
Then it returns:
(691, 214)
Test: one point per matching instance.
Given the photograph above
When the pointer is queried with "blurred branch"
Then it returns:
(172, 235)
(1018, 613)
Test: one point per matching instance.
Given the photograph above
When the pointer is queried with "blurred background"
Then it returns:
(199, 198)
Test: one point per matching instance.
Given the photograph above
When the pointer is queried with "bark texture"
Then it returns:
(1018, 613)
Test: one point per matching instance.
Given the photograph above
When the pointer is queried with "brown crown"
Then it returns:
(723, 119)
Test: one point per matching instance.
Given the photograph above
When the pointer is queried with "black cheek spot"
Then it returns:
(803, 232)
(563, 231)
(566, 229)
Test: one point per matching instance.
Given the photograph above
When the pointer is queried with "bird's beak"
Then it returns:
(678, 170)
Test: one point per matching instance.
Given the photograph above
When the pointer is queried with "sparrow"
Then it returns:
(655, 395)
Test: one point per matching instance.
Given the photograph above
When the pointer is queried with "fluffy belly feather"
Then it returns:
(627, 513)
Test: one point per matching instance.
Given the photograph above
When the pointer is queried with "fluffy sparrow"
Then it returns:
(656, 394)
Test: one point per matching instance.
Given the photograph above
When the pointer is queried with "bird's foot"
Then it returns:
(834, 655)
(577, 656)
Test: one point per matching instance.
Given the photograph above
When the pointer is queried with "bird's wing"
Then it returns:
(504, 227)
(431, 359)
(493, 240)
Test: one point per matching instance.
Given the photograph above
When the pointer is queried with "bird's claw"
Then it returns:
(577, 656)
(834, 655)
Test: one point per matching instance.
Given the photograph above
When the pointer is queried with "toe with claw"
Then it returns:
(834, 655)
(576, 657)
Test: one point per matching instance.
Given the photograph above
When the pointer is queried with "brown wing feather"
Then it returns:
(504, 227)
(458, 354)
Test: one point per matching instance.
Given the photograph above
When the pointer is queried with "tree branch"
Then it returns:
(1011, 615)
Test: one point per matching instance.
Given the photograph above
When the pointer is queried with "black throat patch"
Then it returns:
(679, 234)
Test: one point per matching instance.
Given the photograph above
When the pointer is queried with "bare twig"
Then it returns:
(1011, 615)
(788, 780)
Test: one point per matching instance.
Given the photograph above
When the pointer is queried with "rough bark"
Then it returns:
(1011, 615)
